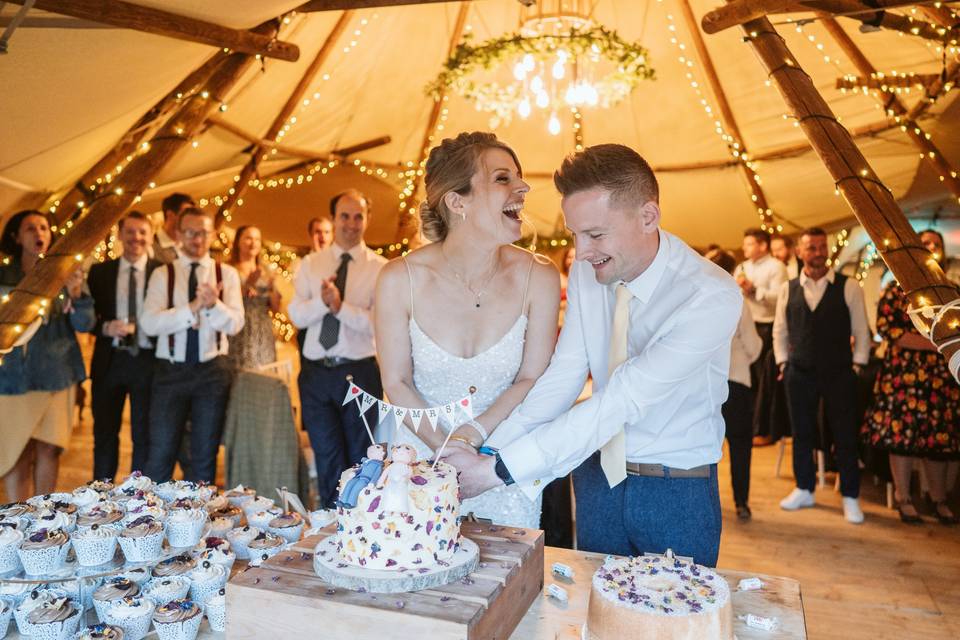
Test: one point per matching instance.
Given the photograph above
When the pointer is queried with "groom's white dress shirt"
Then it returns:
(666, 396)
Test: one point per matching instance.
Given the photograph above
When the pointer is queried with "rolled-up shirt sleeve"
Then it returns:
(781, 336)
(859, 327)
(305, 310)
(640, 383)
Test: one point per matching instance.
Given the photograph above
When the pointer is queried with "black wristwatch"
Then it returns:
(500, 468)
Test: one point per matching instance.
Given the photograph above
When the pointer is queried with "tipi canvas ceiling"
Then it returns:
(71, 90)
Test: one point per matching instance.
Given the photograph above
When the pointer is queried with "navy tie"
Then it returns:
(131, 341)
(330, 326)
(193, 335)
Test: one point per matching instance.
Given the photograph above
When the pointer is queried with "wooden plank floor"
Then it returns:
(879, 580)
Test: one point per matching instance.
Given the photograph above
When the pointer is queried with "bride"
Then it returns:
(469, 310)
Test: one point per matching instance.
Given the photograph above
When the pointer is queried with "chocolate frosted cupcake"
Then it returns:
(160, 591)
(206, 580)
(100, 513)
(265, 545)
(101, 632)
(110, 591)
(288, 526)
(10, 540)
(55, 619)
(44, 551)
(262, 519)
(178, 620)
(175, 566)
(132, 614)
(220, 507)
(142, 539)
(240, 495)
(33, 600)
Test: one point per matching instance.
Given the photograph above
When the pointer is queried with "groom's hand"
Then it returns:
(475, 471)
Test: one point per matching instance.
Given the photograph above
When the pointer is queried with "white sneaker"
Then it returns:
(852, 511)
(798, 499)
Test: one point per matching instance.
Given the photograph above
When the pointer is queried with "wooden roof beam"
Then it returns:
(139, 18)
(337, 5)
(888, 82)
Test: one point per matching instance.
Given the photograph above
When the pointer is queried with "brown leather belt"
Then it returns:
(660, 471)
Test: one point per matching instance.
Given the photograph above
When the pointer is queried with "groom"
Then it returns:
(651, 320)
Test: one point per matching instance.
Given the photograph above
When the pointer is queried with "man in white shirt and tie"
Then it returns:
(166, 242)
(193, 304)
(782, 248)
(652, 321)
(333, 303)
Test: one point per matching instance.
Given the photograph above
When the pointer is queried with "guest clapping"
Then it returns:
(255, 345)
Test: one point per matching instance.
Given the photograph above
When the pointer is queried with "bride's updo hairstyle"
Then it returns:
(450, 167)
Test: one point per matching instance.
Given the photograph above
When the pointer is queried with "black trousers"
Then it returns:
(126, 375)
(337, 434)
(738, 416)
(838, 390)
(771, 417)
(556, 517)
(198, 392)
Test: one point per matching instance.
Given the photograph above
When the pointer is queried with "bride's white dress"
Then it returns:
(441, 377)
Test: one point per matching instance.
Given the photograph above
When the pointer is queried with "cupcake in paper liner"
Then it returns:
(240, 537)
(184, 526)
(10, 540)
(218, 527)
(101, 514)
(112, 590)
(6, 612)
(261, 519)
(216, 550)
(178, 620)
(16, 510)
(103, 485)
(44, 551)
(264, 546)
(100, 632)
(288, 526)
(133, 614)
(81, 589)
(140, 575)
(142, 539)
(206, 580)
(216, 610)
(160, 591)
(15, 592)
(142, 510)
(56, 619)
(59, 501)
(258, 504)
(136, 481)
(322, 517)
(47, 518)
(85, 497)
(225, 510)
(95, 545)
(240, 495)
(34, 599)
(175, 566)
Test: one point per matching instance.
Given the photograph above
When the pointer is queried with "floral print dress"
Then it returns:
(916, 404)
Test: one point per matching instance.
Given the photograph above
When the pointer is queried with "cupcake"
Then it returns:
(262, 519)
(136, 481)
(178, 620)
(206, 580)
(34, 599)
(15, 592)
(184, 526)
(256, 505)
(132, 614)
(6, 612)
(81, 589)
(16, 509)
(44, 551)
(142, 539)
(100, 513)
(145, 499)
(57, 501)
(322, 517)
(104, 485)
(264, 546)
(219, 527)
(160, 591)
(175, 566)
(216, 610)
(175, 489)
(217, 551)
(288, 526)
(240, 537)
(95, 545)
(100, 632)
(110, 591)
(47, 518)
(134, 512)
(56, 619)
(10, 540)
(85, 496)
(20, 523)
(240, 495)
(140, 575)
(220, 507)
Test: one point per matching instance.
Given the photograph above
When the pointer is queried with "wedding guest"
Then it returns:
(320, 231)
(782, 248)
(38, 379)
(916, 403)
(817, 315)
(738, 409)
(193, 304)
(652, 321)
(123, 357)
(166, 242)
(760, 277)
(255, 345)
(333, 301)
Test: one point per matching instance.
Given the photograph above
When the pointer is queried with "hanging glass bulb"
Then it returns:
(524, 108)
(543, 100)
(559, 69)
(591, 96)
(536, 85)
(519, 71)
(528, 62)
(554, 125)
(570, 96)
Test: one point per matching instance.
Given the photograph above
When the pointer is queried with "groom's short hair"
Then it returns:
(613, 167)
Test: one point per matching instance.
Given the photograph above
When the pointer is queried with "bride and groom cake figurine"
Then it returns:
(394, 480)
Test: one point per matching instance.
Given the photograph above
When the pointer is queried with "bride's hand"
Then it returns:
(455, 446)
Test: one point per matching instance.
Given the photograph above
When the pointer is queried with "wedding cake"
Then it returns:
(659, 598)
(399, 514)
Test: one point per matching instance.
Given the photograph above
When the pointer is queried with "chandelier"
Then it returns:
(558, 61)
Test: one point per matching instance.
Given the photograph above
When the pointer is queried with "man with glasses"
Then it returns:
(192, 306)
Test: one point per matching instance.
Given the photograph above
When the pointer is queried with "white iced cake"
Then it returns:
(658, 598)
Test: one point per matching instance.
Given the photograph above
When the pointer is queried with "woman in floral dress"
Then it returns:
(255, 345)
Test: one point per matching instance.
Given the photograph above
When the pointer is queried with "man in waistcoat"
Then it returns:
(817, 315)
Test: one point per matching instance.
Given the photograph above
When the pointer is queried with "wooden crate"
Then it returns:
(285, 598)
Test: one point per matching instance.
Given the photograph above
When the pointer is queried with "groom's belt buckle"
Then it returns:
(660, 471)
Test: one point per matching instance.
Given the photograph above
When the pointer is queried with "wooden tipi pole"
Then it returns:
(258, 154)
(921, 277)
(32, 294)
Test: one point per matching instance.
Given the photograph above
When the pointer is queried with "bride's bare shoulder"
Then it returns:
(520, 259)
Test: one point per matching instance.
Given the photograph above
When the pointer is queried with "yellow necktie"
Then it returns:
(613, 455)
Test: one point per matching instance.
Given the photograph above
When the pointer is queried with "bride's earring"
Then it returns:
(463, 216)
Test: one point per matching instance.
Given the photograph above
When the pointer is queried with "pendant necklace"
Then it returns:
(477, 294)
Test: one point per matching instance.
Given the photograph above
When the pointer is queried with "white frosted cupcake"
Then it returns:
(134, 512)
(133, 614)
(47, 518)
(44, 551)
(218, 527)
(257, 505)
(100, 513)
(100, 632)
(220, 507)
(322, 517)
(160, 591)
(177, 489)
(178, 620)
(241, 537)
(240, 495)
(10, 540)
(136, 481)
(142, 539)
(261, 519)
(6, 612)
(104, 485)
(264, 546)
(223, 557)
(33, 600)
(206, 580)
(184, 526)
(15, 592)
(53, 620)
(95, 545)
(16, 510)
(20, 523)
(216, 610)
(112, 590)
(59, 500)
(288, 526)
(140, 575)
(85, 496)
